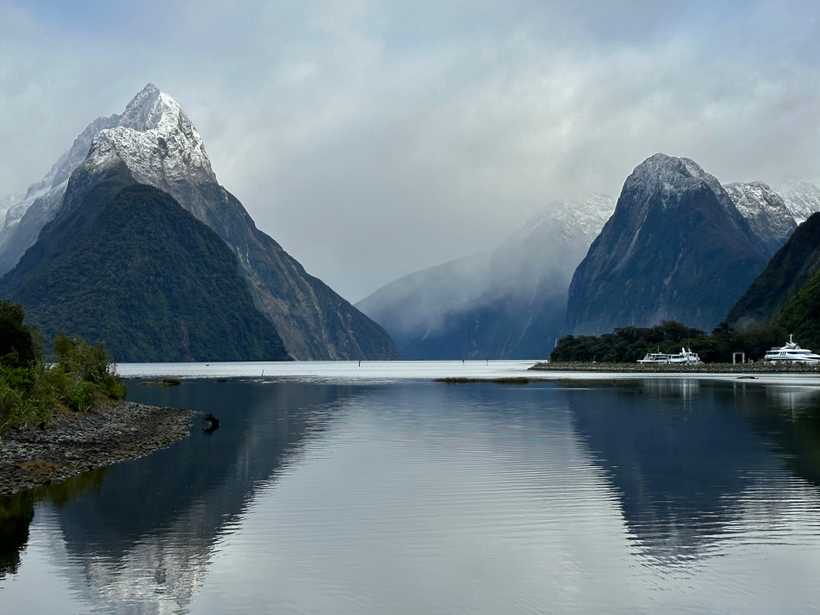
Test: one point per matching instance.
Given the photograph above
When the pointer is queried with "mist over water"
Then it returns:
(414, 496)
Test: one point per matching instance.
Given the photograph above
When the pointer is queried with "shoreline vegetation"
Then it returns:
(657, 368)
(626, 345)
(67, 415)
(469, 380)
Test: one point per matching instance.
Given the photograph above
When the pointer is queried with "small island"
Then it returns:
(66, 414)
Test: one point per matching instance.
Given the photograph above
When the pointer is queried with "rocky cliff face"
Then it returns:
(160, 147)
(509, 303)
(676, 248)
(801, 197)
(765, 211)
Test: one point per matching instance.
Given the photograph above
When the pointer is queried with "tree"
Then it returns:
(18, 343)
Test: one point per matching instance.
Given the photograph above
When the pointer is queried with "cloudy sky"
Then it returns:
(372, 139)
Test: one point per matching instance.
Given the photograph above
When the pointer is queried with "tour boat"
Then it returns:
(792, 353)
(684, 357)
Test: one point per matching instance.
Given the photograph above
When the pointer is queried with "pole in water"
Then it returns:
(360, 362)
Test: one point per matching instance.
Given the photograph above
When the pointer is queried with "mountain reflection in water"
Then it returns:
(686, 460)
(418, 496)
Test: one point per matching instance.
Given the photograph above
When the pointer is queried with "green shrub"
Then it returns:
(30, 390)
(83, 396)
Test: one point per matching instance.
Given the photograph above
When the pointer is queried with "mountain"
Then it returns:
(132, 269)
(793, 268)
(676, 248)
(766, 212)
(508, 303)
(159, 146)
(28, 214)
(801, 197)
(6, 203)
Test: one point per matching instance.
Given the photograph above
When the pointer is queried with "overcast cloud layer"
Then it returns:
(372, 139)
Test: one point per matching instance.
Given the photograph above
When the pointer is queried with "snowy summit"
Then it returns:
(155, 139)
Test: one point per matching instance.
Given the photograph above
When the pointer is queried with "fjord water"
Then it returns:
(674, 496)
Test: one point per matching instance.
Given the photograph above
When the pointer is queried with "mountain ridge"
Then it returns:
(507, 303)
(676, 248)
(133, 270)
(162, 148)
(789, 270)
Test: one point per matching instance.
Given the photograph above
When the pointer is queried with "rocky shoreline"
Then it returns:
(73, 443)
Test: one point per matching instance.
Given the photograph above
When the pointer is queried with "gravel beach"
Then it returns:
(73, 443)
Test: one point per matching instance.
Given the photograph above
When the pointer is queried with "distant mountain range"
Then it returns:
(130, 240)
(802, 198)
(153, 143)
(508, 303)
(765, 211)
(680, 246)
(677, 246)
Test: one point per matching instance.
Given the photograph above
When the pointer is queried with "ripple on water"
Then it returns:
(409, 497)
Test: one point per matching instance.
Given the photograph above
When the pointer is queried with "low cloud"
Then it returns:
(373, 139)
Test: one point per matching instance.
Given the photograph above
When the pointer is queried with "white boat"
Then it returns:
(792, 353)
(684, 357)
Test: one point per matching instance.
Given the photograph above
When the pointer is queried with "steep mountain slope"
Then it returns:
(127, 266)
(676, 248)
(765, 211)
(787, 273)
(802, 198)
(160, 147)
(509, 303)
(800, 314)
(26, 216)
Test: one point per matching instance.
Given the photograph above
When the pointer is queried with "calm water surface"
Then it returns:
(670, 496)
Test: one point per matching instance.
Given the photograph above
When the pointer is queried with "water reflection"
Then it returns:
(793, 428)
(422, 497)
(685, 459)
(682, 389)
(17, 513)
(146, 537)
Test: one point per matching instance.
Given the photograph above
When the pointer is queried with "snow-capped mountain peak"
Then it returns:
(574, 218)
(670, 175)
(155, 139)
(764, 210)
(801, 197)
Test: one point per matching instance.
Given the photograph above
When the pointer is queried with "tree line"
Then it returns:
(628, 344)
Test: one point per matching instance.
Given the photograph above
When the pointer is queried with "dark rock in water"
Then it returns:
(211, 423)
(163, 382)
(676, 248)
